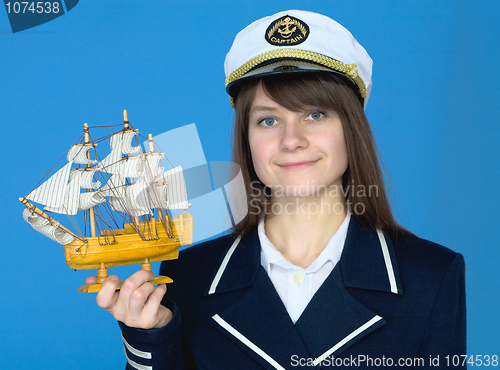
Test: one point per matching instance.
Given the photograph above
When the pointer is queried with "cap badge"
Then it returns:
(287, 31)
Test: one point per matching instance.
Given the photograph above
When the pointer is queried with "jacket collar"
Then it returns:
(368, 261)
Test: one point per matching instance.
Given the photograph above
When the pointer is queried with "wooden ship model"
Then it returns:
(135, 190)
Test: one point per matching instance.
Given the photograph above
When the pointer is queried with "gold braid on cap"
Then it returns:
(349, 70)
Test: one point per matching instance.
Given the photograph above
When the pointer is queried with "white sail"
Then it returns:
(44, 227)
(138, 199)
(132, 167)
(68, 202)
(78, 154)
(158, 196)
(90, 199)
(122, 141)
(153, 188)
(154, 162)
(127, 147)
(153, 169)
(115, 186)
(112, 162)
(86, 181)
(120, 144)
(134, 202)
(115, 141)
(176, 190)
(56, 194)
(118, 204)
(62, 192)
(52, 191)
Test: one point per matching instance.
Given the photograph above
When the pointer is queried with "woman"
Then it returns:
(318, 272)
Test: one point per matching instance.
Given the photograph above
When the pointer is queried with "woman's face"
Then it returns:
(296, 153)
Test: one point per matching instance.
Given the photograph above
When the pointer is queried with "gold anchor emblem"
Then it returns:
(286, 32)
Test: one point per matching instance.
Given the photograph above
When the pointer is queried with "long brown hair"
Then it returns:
(295, 91)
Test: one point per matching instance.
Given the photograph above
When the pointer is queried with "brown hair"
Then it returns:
(295, 91)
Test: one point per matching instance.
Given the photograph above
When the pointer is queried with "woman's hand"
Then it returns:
(137, 304)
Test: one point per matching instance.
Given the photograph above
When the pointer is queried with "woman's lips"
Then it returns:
(297, 166)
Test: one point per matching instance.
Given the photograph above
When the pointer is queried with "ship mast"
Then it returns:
(146, 265)
(91, 210)
(102, 272)
(151, 150)
(126, 128)
(125, 119)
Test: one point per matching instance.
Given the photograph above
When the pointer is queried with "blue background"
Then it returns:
(433, 110)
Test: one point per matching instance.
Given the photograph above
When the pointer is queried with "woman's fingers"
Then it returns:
(91, 280)
(133, 296)
(138, 299)
(155, 314)
(137, 304)
(131, 284)
(107, 296)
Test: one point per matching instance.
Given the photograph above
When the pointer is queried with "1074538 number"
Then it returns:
(477, 360)
(32, 6)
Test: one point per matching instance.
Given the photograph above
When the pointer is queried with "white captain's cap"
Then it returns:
(297, 41)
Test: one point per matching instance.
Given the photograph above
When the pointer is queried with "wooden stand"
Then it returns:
(102, 274)
(146, 265)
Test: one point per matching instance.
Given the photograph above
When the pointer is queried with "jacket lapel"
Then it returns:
(259, 323)
(334, 320)
(368, 261)
(257, 320)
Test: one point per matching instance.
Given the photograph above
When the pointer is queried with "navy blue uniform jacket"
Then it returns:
(399, 301)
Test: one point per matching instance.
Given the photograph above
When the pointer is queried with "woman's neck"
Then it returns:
(300, 227)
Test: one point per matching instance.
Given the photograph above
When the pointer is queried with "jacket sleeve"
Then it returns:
(445, 334)
(154, 349)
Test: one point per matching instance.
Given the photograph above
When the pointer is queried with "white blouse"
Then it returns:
(296, 285)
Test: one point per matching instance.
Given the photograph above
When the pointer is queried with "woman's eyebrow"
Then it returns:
(262, 108)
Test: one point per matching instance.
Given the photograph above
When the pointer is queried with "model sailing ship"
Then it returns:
(135, 189)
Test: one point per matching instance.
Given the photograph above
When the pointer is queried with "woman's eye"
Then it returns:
(268, 122)
(315, 115)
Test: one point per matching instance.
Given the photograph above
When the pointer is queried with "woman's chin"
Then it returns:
(304, 190)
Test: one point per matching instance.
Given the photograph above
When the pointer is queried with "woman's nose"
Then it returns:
(293, 136)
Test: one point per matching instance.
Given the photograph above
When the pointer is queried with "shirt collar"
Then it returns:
(332, 252)
(366, 262)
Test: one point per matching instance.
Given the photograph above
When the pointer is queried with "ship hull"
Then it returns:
(127, 247)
